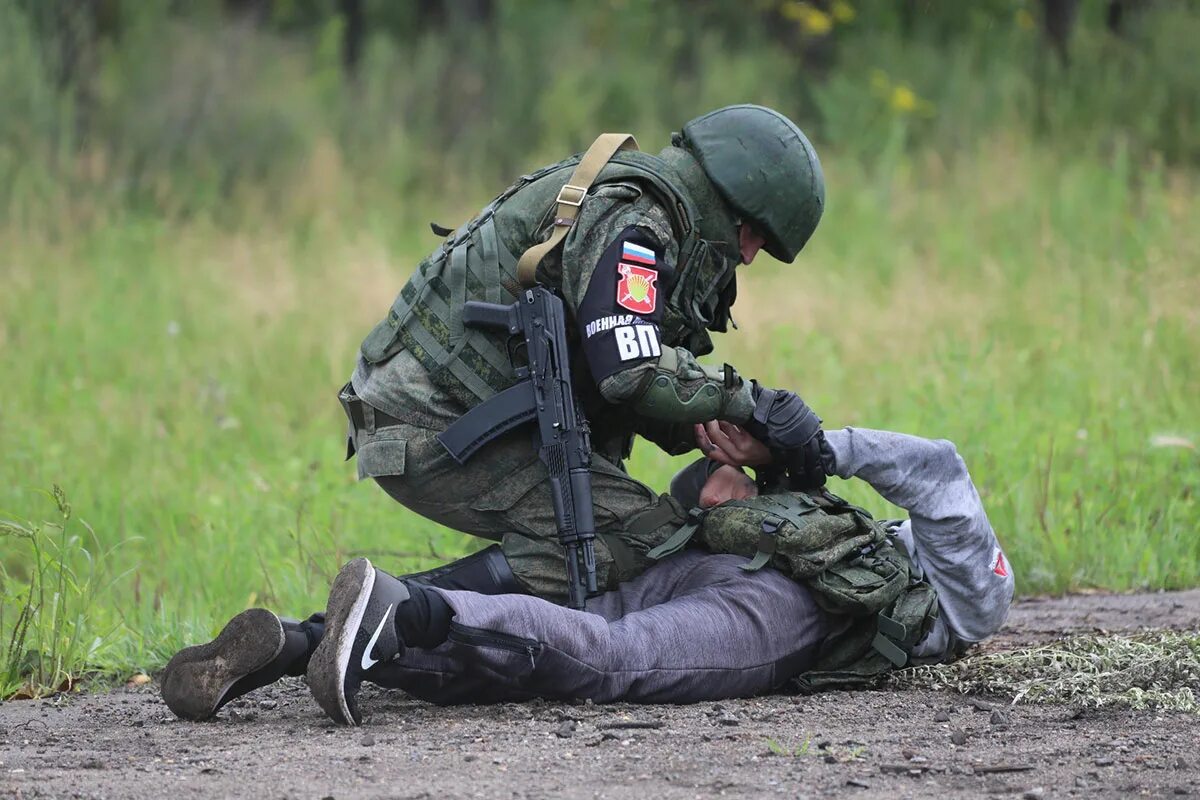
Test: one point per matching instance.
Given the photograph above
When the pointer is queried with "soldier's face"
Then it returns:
(749, 242)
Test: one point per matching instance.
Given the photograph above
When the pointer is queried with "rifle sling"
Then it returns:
(570, 199)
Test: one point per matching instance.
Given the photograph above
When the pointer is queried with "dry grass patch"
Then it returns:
(1151, 670)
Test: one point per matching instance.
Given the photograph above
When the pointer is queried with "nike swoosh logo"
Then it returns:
(367, 661)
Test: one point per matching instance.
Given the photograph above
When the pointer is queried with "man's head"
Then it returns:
(766, 170)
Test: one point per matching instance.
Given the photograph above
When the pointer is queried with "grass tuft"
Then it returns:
(46, 636)
(1158, 670)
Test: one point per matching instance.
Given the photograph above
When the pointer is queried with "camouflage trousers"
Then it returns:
(503, 494)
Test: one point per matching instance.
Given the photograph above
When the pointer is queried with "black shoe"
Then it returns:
(254, 648)
(247, 654)
(360, 632)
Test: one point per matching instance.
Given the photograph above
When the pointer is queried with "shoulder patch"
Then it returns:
(636, 288)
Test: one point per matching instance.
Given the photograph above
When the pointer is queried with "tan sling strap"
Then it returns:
(570, 198)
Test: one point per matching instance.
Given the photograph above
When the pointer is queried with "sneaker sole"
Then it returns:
(197, 678)
(348, 599)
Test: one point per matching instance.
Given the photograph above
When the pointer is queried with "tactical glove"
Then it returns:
(793, 432)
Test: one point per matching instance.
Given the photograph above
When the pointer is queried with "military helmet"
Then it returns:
(766, 170)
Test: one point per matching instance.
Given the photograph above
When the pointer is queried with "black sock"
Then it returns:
(424, 619)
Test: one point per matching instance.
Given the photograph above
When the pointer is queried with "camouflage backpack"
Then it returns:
(846, 559)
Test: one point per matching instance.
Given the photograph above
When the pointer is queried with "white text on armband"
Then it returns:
(637, 341)
(608, 323)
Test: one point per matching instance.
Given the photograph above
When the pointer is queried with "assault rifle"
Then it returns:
(544, 393)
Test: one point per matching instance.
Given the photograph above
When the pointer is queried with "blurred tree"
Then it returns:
(70, 32)
(1119, 13)
(806, 27)
(255, 12)
(469, 29)
(354, 33)
(1058, 20)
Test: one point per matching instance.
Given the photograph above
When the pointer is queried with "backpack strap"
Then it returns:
(570, 199)
(681, 537)
(766, 544)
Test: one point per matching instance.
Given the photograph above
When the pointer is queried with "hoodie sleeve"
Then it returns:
(948, 534)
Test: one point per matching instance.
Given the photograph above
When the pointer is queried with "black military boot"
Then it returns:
(257, 648)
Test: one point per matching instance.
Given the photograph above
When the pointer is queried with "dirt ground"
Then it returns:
(276, 743)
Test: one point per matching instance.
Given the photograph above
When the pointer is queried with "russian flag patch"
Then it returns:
(637, 254)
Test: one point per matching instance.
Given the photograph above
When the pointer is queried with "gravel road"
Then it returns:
(275, 743)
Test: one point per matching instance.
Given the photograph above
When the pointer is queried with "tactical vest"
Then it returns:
(845, 558)
(475, 264)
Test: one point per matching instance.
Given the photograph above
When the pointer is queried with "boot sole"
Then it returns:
(348, 599)
(196, 680)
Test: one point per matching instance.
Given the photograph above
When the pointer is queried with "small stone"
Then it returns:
(1036, 793)
(367, 741)
(959, 738)
(830, 758)
(470, 757)
(1103, 762)
(941, 716)
(267, 705)
(999, 717)
(729, 720)
(856, 783)
(1181, 763)
(979, 705)
(918, 759)
(1181, 790)
(565, 730)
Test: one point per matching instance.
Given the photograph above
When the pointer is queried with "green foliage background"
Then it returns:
(198, 225)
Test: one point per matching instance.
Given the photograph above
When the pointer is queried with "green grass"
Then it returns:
(177, 379)
(1013, 264)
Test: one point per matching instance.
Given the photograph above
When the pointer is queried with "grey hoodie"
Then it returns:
(947, 534)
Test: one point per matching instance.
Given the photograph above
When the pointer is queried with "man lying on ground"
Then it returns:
(695, 626)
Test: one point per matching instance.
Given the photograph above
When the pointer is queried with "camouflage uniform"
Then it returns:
(659, 218)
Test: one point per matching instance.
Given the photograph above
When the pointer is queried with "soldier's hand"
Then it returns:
(728, 444)
(793, 432)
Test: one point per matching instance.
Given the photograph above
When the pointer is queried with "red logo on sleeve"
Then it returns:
(636, 290)
(998, 565)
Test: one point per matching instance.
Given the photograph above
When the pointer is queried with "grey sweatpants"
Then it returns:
(693, 627)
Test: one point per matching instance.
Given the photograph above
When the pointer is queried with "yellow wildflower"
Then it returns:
(903, 99)
(812, 20)
(843, 12)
